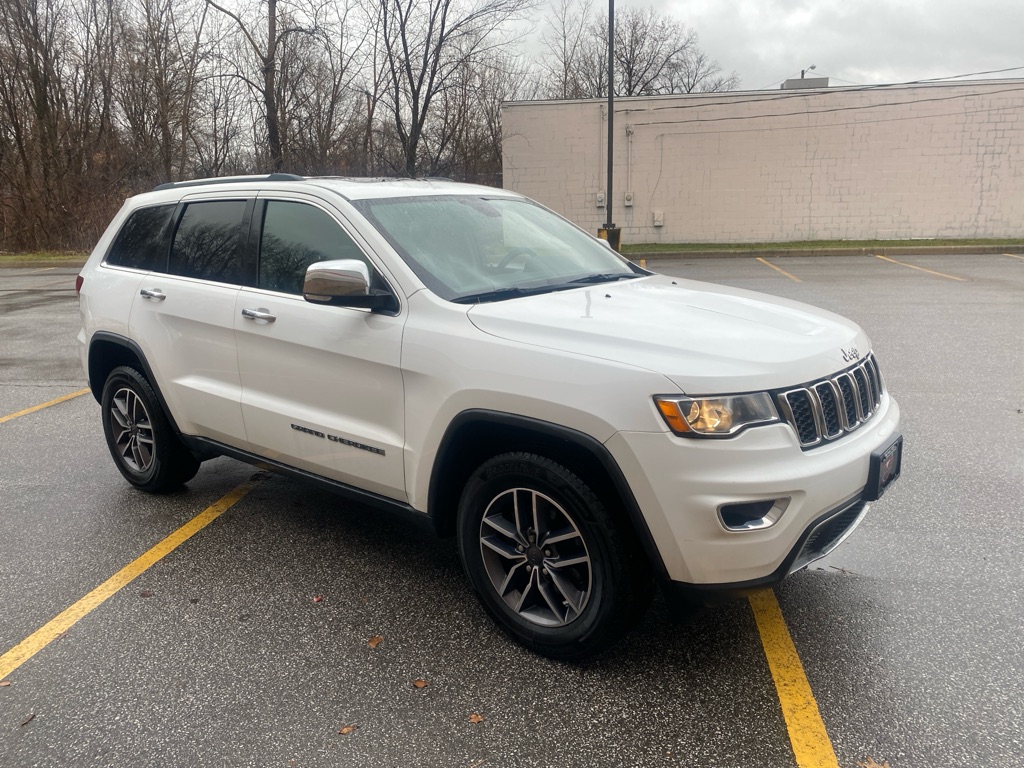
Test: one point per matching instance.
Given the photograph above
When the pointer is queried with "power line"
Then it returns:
(894, 85)
(825, 111)
(785, 95)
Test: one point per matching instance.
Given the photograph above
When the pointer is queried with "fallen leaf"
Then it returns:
(872, 764)
(318, 599)
(345, 730)
(145, 593)
(374, 641)
(475, 718)
(5, 683)
(418, 683)
(28, 719)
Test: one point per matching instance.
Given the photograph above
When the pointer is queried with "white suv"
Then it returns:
(586, 428)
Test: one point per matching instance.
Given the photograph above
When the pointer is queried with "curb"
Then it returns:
(765, 253)
(41, 263)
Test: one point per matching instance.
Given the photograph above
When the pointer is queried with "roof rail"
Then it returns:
(228, 180)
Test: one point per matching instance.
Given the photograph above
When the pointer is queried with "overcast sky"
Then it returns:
(853, 41)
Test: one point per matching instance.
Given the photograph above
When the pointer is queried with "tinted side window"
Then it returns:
(142, 241)
(296, 235)
(208, 243)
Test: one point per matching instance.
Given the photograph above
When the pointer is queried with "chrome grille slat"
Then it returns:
(831, 428)
(848, 392)
(829, 408)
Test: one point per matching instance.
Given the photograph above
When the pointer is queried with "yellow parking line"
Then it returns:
(63, 621)
(1014, 256)
(794, 278)
(811, 744)
(922, 269)
(47, 404)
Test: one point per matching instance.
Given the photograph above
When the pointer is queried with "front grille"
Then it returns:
(830, 408)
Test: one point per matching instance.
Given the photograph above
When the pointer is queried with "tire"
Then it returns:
(139, 436)
(548, 561)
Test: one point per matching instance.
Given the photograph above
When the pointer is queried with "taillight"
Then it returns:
(78, 283)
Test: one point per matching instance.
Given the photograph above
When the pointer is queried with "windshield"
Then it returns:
(476, 248)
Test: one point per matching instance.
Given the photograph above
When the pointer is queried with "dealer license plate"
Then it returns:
(886, 464)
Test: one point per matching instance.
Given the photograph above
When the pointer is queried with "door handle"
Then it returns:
(259, 314)
(152, 293)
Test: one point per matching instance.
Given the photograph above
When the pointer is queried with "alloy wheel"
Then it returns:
(132, 430)
(535, 557)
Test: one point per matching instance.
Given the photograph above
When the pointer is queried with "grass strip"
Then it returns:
(802, 245)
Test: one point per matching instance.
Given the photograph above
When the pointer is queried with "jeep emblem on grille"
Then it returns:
(851, 354)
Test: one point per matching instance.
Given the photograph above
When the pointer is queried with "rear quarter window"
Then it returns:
(143, 240)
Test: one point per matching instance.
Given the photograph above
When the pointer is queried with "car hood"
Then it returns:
(706, 338)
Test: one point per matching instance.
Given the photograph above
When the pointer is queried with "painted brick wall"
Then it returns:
(768, 166)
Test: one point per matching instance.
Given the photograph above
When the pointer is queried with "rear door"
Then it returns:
(322, 386)
(183, 317)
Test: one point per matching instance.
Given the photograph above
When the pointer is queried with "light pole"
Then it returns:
(802, 71)
(610, 232)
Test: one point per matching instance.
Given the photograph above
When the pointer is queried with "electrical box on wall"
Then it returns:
(659, 218)
(628, 201)
(600, 199)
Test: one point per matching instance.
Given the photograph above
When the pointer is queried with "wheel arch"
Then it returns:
(476, 435)
(107, 351)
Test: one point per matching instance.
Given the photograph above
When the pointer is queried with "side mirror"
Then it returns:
(345, 283)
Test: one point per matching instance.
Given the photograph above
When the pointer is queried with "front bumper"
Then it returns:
(681, 484)
(821, 537)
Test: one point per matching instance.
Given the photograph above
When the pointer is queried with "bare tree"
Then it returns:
(696, 72)
(646, 46)
(56, 142)
(265, 39)
(475, 154)
(569, 45)
(654, 54)
(103, 98)
(162, 48)
(216, 142)
(318, 101)
(427, 46)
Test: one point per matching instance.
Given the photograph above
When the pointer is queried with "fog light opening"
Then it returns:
(752, 515)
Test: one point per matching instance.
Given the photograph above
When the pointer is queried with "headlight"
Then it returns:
(716, 416)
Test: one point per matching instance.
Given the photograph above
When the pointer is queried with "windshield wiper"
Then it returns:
(500, 294)
(605, 277)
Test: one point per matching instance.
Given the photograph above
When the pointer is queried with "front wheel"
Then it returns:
(547, 559)
(139, 436)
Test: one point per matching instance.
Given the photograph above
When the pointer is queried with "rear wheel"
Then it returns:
(139, 435)
(547, 559)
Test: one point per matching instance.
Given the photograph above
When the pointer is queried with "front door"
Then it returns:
(322, 386)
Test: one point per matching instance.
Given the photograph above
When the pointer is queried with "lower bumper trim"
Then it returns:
(818, 539)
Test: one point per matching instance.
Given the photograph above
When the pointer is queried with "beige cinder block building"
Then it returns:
(858, 163)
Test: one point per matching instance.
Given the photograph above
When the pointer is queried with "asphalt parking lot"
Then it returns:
(248, 644)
